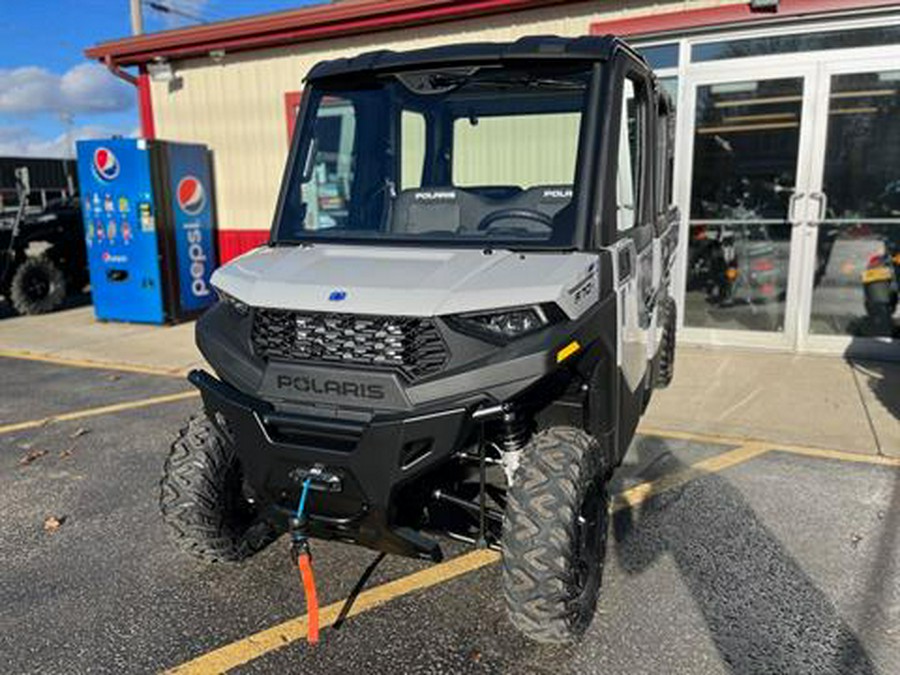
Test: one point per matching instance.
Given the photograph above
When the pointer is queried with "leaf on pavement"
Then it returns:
(53, 523)
(31, 456)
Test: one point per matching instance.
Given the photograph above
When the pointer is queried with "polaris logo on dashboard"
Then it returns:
(557, 193)
(435, 195)
(345, 388)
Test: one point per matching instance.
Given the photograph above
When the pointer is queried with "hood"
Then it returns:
(405, 281)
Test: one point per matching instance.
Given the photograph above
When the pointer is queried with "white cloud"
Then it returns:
(20, 142)
(85, 88)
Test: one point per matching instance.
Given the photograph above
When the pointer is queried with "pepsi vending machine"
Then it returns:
(149, 227)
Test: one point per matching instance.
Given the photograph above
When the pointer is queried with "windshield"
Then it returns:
(479, 155)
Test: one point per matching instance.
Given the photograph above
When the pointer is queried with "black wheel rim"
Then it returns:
(36, 285)
(588, 539)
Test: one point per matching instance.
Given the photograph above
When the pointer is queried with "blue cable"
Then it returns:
(302, 505)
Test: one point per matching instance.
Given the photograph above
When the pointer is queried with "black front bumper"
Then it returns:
(373, 458)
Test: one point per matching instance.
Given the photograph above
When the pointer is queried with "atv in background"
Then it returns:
(881, 281)
(42, 254)
(462, 312)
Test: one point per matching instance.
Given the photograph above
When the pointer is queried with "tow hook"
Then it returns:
(321, 480)
(301, 557)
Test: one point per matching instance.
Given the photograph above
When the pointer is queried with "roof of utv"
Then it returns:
(537, 48)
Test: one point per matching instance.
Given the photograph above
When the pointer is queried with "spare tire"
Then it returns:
(37, 287)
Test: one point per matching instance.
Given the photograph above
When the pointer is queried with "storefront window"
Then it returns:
(858, 251)
(788, 44)
(746, 148)
(661, 56)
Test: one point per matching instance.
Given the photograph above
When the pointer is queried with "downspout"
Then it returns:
(116, 70)
(145, 100)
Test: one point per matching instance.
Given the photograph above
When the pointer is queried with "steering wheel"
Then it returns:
(533, 215)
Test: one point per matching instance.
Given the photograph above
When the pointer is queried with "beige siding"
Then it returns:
(523, 150)
(237, 107)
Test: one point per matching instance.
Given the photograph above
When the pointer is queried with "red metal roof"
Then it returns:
(687, 18)
(302, 25)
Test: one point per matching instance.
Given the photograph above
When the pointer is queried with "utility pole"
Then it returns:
(137, 19)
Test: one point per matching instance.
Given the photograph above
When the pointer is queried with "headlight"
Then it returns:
(240, 307)
(507, 324)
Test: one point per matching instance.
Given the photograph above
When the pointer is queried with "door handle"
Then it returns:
(822, 200)
(627, 254)
(792, 205)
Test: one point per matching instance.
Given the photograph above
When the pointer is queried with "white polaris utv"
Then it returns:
(457, 322)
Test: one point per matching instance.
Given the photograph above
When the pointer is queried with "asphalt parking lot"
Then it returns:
(726, 556)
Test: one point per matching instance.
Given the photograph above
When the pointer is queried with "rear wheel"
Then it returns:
(554, 536)
(203, 500)
(37, 287)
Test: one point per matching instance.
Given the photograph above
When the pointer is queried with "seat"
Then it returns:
(549, 199)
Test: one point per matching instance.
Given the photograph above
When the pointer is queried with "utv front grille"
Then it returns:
(410, 345)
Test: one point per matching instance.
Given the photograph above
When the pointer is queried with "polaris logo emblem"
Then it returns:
(557, 193)
(435, 195)
(344, 388)
(106, 164)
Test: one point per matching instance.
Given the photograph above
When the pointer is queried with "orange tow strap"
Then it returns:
(304, 563)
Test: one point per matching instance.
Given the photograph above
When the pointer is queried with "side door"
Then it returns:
(667, 217)
(633, 248)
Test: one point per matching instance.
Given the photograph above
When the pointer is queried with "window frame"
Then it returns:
(645, 132)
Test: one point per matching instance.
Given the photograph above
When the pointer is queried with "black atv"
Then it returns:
(42, 254)
(456, 325)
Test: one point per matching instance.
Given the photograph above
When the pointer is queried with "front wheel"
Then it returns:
(203, 501)
(554, 536)
(37, 287)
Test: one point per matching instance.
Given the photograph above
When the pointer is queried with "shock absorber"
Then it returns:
(514, 435)
(515, 431)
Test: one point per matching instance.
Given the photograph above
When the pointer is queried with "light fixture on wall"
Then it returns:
(160, 70)
(217, 55)
(764, 6)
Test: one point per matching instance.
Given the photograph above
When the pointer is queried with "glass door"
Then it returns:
(852, 239)
(745, 201)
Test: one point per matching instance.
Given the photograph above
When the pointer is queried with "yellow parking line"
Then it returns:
(696, 437)
(251, 647)
(839, 455)
(102, 410)
(24, 355)
(808, 451)
(641, 492)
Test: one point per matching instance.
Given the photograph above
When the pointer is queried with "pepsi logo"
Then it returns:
(191, 195)
(106, 164)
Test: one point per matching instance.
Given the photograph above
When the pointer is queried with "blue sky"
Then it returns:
(50, 94)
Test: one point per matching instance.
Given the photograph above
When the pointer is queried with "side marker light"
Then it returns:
(567, 351)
